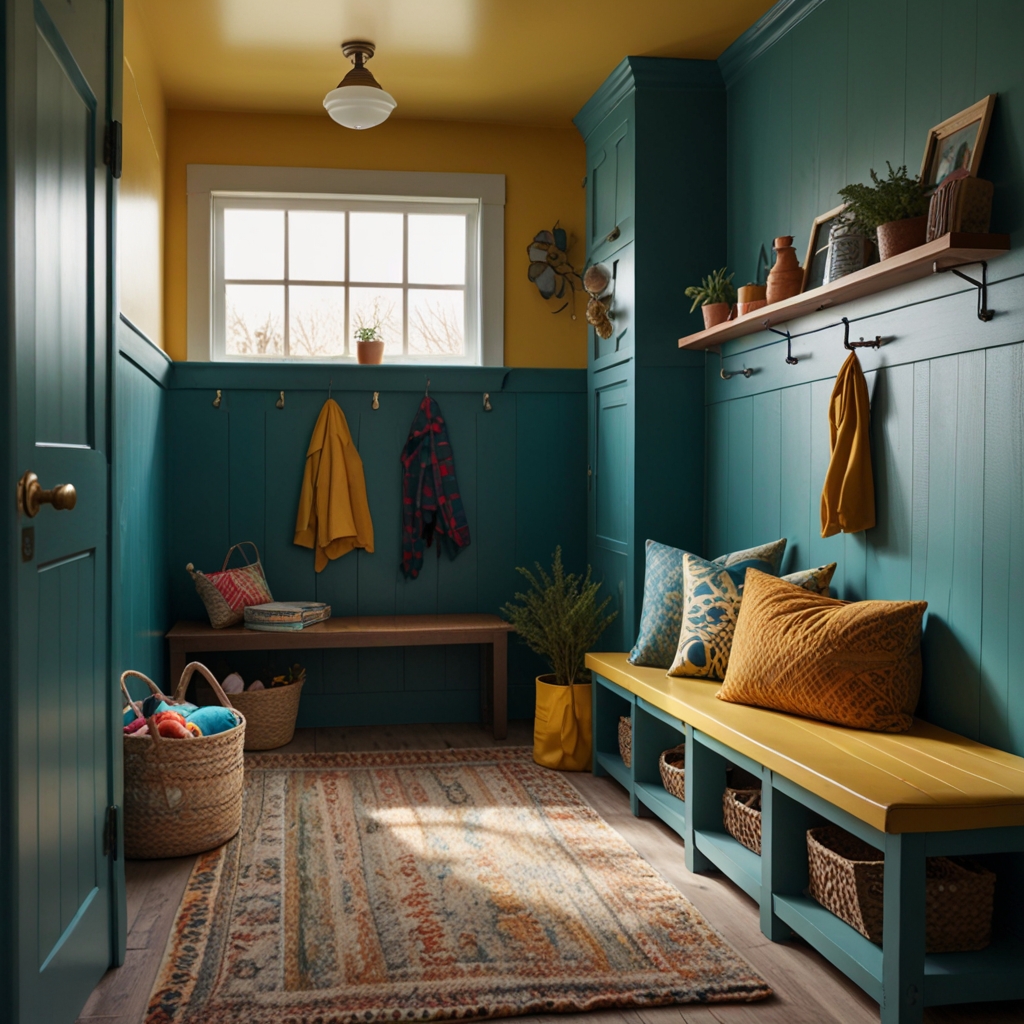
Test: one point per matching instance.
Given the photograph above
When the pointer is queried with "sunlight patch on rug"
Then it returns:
(429, 885)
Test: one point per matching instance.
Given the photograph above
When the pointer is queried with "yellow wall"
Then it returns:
(140, 212)
(544, 169)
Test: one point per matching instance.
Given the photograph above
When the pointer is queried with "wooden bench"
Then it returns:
(488, 631)
(924, 793)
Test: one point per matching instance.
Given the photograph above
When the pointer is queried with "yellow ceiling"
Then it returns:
(526, 61)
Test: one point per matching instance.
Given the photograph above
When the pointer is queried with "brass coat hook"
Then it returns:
(726, 375)
(280, 402)
(330, 388)
(217, 400)
(376, 400)
(426, 392)
(487, 402)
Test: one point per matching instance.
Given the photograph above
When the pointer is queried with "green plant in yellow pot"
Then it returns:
(560, 619)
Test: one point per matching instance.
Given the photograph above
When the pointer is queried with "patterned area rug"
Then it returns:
(434, 885)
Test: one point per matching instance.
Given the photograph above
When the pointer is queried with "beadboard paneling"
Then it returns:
(235, 473)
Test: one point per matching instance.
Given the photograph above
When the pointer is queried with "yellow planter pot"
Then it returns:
(561, 726)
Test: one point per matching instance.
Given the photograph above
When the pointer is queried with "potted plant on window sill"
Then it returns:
(559, 618)
(894, 211)
(369, 345)
(715, 295)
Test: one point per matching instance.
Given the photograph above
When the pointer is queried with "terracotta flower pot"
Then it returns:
(715, 313)
(786, 277)
(370, 352)
(751, 297)
(900, 235)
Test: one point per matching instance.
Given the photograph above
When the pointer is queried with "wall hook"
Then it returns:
(330, 388)
(487, 402)
(280, 402)
(984, 313)
(217, 400)
(790, 358)
(852, 345)
(726, 375)
(426, 390)
(376, 400)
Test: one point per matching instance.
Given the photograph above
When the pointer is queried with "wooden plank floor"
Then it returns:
(808, 990)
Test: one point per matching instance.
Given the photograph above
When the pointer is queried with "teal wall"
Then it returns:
(235, 473)
(856, 82)
(139, 549)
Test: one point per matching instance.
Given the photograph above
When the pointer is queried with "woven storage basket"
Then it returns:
(269, 715)
(250, 581)
(181, 796)
(741, 814)
(847, 878)
(673, 773)
(626, 740)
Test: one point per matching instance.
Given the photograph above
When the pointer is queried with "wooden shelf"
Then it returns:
(951, 250)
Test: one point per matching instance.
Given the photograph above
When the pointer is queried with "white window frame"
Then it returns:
(485, 193)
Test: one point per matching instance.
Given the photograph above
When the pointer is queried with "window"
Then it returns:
(298, 274)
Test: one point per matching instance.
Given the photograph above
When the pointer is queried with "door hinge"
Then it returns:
(112, 148)
(110, 830)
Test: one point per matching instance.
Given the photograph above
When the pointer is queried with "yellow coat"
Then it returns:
(848, 497)
(334, 515)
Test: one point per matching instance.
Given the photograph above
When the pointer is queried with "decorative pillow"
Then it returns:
(712, 594)
(853, 663)
(662, 613)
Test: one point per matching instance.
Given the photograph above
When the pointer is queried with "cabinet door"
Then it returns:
(619, 344)
(610, 175)
(611, 511)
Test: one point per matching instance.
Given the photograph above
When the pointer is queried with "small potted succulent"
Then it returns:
(561, 619)
(369, 343)
(715, 295)
(893, 211)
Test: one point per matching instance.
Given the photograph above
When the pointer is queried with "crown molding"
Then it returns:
(648, 73)
(764, 33)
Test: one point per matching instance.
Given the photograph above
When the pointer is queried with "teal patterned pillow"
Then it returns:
(662, 615)
(712, 594)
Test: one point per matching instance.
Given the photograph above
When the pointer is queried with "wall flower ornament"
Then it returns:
(550, 269)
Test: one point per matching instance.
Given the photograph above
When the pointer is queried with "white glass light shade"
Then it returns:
(359, 106)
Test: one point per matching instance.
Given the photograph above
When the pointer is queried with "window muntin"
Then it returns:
(296, 277)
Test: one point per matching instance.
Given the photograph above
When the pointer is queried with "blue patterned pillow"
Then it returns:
(712, 594)
(662, 614)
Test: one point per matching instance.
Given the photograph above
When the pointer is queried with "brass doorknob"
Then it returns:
(31, 496)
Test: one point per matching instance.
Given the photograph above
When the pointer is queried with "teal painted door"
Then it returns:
(610, 177)
(64, 698)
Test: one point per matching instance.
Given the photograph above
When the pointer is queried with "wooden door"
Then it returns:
(64, 699)
(610, 180)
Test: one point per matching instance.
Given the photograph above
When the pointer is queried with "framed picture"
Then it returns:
(817, 249)
(957, 142)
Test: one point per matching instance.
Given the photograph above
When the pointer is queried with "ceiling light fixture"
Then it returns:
(359, 102)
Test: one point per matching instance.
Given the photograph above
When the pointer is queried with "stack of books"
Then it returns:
(285, 616)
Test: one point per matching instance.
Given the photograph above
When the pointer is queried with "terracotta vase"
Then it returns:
(369, 353)
(786, 278)
(715, 313)
(750, 297)
(900, 235)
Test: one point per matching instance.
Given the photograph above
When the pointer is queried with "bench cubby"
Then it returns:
(921, 794)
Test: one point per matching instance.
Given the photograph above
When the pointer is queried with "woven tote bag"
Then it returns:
(227, 593)
(181, 796)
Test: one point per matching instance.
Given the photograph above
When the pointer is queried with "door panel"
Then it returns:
(610, 171)
(620, 343)
(65, 125)
(65, 700)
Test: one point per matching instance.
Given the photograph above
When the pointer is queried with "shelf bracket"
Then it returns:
(790, 358)
(984, 313)
(727, 375)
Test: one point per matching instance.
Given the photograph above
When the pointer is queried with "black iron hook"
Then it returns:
(852, 345)
(984, 313)
(790, 358)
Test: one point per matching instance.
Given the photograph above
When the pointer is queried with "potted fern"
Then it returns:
(893, 211)
(560, 619)
(715, 295)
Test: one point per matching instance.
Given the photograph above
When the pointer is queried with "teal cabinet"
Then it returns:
(655, 135)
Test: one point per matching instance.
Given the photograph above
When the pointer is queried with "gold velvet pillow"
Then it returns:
(853, 663)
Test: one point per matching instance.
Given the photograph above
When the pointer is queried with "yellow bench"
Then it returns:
(927, 792)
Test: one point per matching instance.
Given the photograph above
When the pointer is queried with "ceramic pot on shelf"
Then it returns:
(900, 235)
(715, 313)
(750, 297)
(786, 277)
(370, 353)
